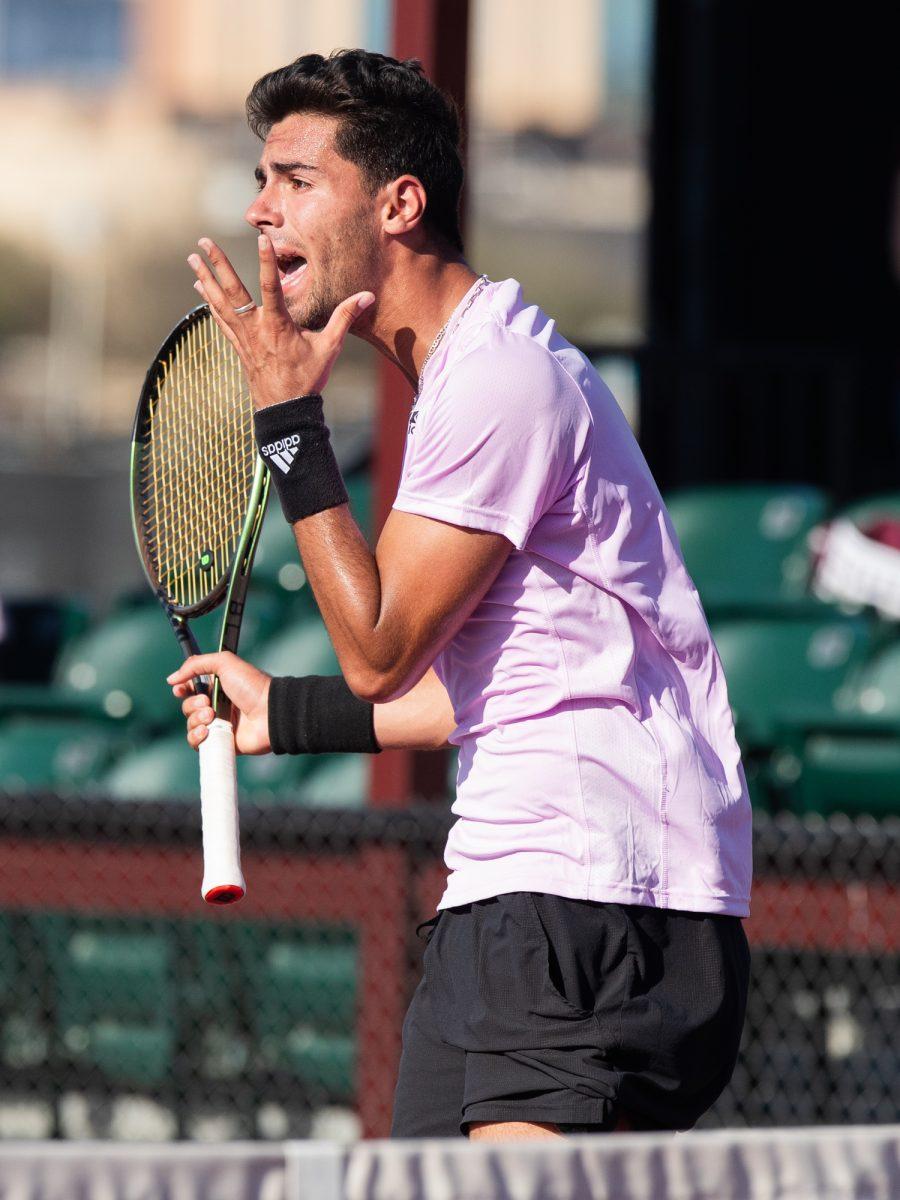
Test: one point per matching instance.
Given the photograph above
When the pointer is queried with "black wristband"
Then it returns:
(293, 440)
(318, 714)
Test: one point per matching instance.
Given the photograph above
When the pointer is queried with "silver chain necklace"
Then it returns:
(440, 333)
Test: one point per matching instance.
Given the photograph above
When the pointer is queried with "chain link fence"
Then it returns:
(129, 1009)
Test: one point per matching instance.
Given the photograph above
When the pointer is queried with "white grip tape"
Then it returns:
(219, 812)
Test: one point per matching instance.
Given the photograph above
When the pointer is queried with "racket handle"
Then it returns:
(223, 882)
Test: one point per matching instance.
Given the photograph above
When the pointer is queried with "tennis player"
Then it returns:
(527, 602)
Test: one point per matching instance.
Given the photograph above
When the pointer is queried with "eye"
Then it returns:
(299, 183)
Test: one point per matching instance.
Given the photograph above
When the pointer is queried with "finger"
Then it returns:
(223, 325)
(196, 665)
(212, 289)
(270, 288)
(194, 700)
(196, 736)
(199, 687)
(205, 716)
(345, 314)
(228, 277)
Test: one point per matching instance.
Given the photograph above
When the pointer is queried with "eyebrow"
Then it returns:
(281, 168)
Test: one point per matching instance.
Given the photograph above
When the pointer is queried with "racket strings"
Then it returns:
(198, 465)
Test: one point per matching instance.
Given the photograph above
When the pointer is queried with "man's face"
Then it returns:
(314, 207)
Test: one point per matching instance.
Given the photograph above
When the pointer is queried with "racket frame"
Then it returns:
(232, 585)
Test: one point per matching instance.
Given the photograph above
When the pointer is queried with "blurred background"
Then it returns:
(704, 193)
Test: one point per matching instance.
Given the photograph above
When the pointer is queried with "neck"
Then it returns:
(413, 303)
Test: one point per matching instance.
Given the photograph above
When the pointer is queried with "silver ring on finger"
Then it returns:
(245, 308)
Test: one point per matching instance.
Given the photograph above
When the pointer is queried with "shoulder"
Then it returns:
(507, 368)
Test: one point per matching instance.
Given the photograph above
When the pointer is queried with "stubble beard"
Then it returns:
(343, 267)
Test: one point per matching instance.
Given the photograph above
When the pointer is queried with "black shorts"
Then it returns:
(538, 1008)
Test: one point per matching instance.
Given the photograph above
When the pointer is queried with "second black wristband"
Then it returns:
(318, 714)
(294, 441)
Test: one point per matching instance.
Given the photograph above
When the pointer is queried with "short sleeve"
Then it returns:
(495, 447)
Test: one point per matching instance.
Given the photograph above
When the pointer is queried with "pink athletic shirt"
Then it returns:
(597, 755)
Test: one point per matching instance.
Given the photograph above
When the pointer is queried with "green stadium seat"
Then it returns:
(9, 962)
(310, 983)
(848, 760)
(278, 776)
(277, 564)
(165, 769)
(208, 988)
(263, 616)
(756, 771)
(745, 545)
(117, 670)
(169, 769)
(335, 781)
(24, 1034)
(867, 704)
(120, 667)
(126, 1054)
(209, 1000)
(55, 752)
(324, 1063)
(779, 669)
(303, 648)
(114, 997)
(852, 775)
(114, 672)
(302, 993)
(875, 693)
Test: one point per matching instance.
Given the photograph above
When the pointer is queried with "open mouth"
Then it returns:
(291, 268)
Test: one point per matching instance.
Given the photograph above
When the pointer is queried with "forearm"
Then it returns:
(320, 715)
(384, 632)
(421, 720)
(343, 574)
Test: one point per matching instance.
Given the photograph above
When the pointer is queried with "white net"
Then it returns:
(847, 1163)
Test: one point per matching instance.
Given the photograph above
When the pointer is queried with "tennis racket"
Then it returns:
(198, 496)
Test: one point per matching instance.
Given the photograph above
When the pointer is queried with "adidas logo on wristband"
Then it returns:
(282, 452)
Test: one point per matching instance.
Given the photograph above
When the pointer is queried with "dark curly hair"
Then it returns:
(393, 121)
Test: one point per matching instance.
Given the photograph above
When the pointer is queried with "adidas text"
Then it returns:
(284, 444)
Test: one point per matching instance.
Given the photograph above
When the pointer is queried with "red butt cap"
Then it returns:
(228, 893)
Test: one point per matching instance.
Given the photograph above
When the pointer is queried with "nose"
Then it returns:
(262, 213)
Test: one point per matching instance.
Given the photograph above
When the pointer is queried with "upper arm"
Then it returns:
(433, 574)
(490, 454)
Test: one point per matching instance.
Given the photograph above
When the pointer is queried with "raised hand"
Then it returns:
(281, 359)
(245, 686)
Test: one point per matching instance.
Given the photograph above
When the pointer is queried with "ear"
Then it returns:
(403, 206)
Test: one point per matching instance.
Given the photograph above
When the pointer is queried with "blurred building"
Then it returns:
(561, 60)
(123, 140)
(198, 57)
